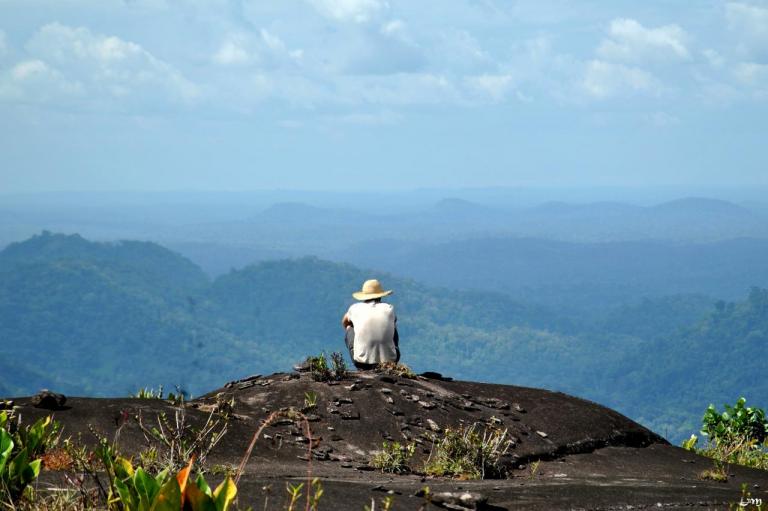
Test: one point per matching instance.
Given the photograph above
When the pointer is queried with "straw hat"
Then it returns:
(371, 290)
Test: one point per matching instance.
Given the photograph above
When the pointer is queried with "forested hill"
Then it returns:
(132, 264)
(106, 319)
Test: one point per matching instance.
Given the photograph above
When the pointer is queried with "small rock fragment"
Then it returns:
(385, 390)
(415, 421)
(541, 434)
(496, 403)
(428, 405)
(433, 425)
(351, 416)
(460, 500)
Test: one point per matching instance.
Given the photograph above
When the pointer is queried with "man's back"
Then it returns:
(374, 324)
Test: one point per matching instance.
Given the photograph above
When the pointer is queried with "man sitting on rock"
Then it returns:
(371, 328)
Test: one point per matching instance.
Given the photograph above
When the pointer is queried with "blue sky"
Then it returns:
(380, 94)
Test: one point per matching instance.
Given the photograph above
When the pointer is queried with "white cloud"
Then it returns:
(752, 73)
(3, 44)
(357, 11)
(34, 79)
(459, 51)
(714, 58)
(494, 86)
(754, 79)
(750, 19)
(631, 42)
(107, 66)
(264, 48)
(232, 51)
(277, 46)
(29, 68)
(393, 28)
(603, 80)
(750, 24)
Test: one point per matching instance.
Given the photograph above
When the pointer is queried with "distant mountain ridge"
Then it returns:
(84, 324)
(574, 276)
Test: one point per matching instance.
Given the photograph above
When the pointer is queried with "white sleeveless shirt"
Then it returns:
(374, 332)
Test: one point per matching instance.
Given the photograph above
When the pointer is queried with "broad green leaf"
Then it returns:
(224, 494)
(6, 446)
(123, 468)
(36, 434)
(168, 498)
(18, 464)
(30, 472)
(197, 500)
(146, 488)
(203, 485)
(126, 496)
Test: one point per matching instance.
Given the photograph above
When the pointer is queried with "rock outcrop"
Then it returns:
(567, 453)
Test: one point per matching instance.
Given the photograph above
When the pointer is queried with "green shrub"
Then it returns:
(177, 440)
(738, 435)
(21, 449)
(338, 366)
(736, 421)
(321, 371)
(394, 457)
(466, 453)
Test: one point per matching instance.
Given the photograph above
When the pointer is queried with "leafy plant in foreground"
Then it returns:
(21, 449)
(136, 490)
